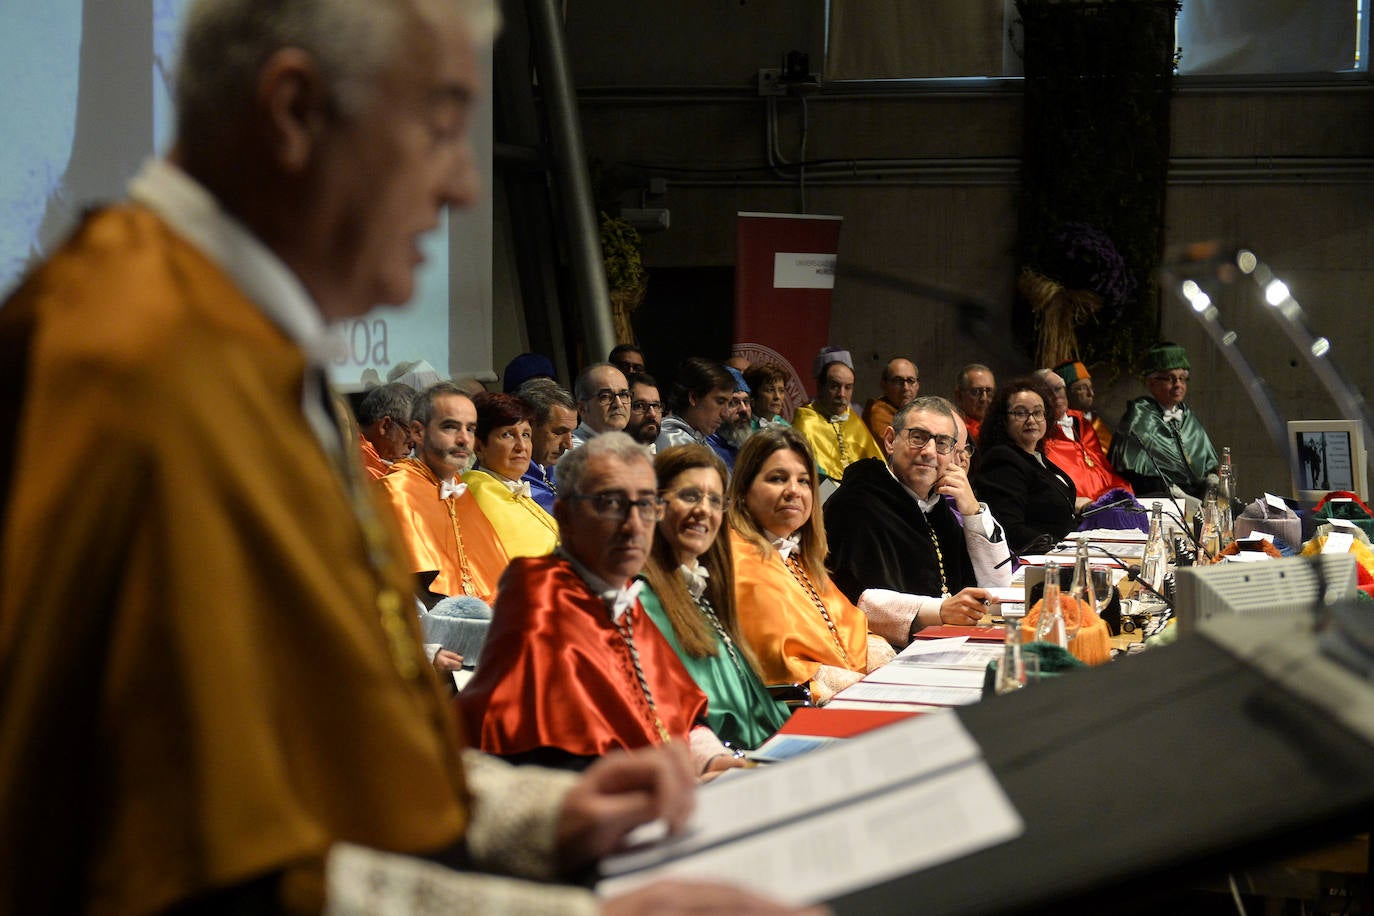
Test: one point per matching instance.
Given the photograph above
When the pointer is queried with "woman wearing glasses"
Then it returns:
(692, 597)
(1031, 496)
(798, 624)
(572, 669)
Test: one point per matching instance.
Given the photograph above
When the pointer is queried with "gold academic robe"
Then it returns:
(836, 445)
(878, 414)
(782, 625)
(431, 534)
(198, 684)
(523, 526)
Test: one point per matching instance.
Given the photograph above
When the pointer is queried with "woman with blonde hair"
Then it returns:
(798, 624)
(691, 596)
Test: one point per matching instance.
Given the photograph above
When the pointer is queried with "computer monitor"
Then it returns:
(1329, 455)
(1271, 588)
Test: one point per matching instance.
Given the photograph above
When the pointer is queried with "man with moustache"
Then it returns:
(573, 668)
(897, 548)
(603, 399)
(453, 548)
(737, 424)
(646, 411)
(555, 418)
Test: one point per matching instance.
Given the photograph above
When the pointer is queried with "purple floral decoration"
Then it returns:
(1087, 259)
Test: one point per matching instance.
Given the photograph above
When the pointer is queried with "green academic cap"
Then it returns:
(1164, 356)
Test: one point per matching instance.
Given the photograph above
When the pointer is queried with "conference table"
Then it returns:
(1138, 779)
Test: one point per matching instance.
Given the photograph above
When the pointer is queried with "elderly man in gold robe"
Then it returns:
(836, 434)
(213, 692)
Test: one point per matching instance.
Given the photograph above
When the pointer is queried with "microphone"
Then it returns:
(1036, 544)
(1183, 526)
(1133, 573)
(1149, 455)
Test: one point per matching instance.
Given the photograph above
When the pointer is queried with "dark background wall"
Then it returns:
(1287, 169)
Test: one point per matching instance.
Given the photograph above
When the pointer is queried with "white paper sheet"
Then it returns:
(913, 827)
(803, 787)
(919, 647)
(927, 676)
(902, 693)
(971, 656)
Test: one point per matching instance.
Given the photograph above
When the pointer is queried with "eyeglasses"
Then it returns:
(606, 395)
(1021, 414)
(917, 439)
(692, 496)
(616, 506)
(646, 406)
(979, 392)
(1175, 378)
(903, 379)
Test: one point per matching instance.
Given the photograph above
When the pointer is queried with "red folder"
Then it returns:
(840, 723)
(977, 634)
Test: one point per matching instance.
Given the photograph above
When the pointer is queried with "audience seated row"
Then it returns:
(657, 602)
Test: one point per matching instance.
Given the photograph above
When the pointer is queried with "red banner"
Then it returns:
(784, 275)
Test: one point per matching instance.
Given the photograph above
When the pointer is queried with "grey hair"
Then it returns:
(962, 381)
(422, 409)
(930, 404)
(572, 467)
(543, 395)
(389, 400)
(582, 388)
(225, 43)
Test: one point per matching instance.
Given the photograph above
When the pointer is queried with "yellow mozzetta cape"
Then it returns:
(782, 625)
(837, 445)
(196, 687)
(523, 526)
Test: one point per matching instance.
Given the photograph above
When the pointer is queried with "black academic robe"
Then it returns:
(1030, 499)
(880, 538)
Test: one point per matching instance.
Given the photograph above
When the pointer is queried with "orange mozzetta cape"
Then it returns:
(427, 530)
(555, 671)
(372, 462)
(195, 682)
(783, 626)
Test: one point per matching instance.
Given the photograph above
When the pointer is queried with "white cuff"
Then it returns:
(705, 746)
(892, 614)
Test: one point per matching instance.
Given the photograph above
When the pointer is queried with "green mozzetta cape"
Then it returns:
(738, 707)
(1145, 446)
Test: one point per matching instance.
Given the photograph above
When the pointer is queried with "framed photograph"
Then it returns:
(1329, 455)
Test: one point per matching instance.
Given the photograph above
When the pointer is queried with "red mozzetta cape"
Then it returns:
(1082, 458)
(555, 671)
